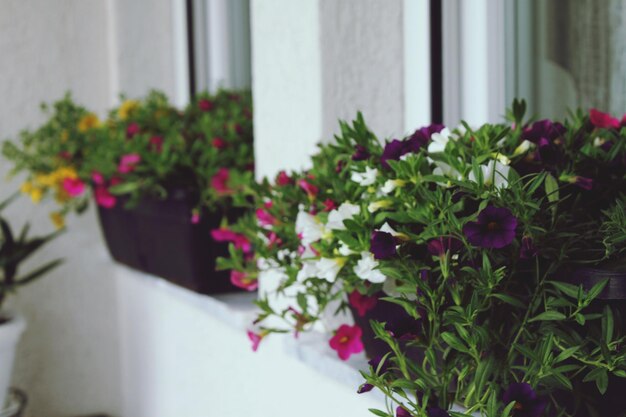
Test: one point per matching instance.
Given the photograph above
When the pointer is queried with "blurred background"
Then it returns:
(103, 339)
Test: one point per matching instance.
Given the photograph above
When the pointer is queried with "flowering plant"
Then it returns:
(144, 148)
(478, 234)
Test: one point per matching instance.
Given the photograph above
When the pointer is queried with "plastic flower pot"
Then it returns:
(398, 322)
(11, 328)
(159, 238)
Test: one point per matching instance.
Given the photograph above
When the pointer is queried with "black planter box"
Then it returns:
(158, 237)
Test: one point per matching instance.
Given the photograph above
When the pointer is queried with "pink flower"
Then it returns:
(195, 217)
(347, 341)
(255, 338)
(218, 143)
(97, 178)
(132, 129)
(156, 143)
(206, 105)
(243, 280)
(274, 240)
(226, 235)
(128, 162)
(603, 120)
(309, 188)
(73, 186)
(329, 205)
(115, 181)
(283, 179)
(104, 198)
(362, 303)
(265, 218)
(220, 181)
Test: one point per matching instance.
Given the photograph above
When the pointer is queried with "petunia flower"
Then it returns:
(128, 162)
(366, 269)
(422, 136)
(383, 245)
(73, 186)
(309, 228)
(347, 341)
(104, 198)
(219, 181)
(545, 129)
(365, 388)
(256, 339)
(445, 170)
(156, 143)
(374, 206)
(205, 105)
(603, 120)
(195, 217)
(440, 140)
(310, 189)
(243, 280)
(442, 245)
(495, 228)
(360, 153)
(437, 412)
(344, 212)
(366, 178)
(527, 402)
(391, 185)
(582, 182)
(494, 174)
(362, 303)
(328, 268)
(224, 234)
(97, 178)
(283, 179)
(265, 218)
(329, 205)
(218, 143)
(132, 129)
(402, 412)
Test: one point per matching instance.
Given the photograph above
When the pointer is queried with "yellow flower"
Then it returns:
(61, 196)
(57, 219)
(26, 187)
(88, 121)
(127, 108)
(36, 194)
(45, 180)
(64, 172)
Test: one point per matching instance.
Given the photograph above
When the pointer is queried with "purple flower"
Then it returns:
(396, 148)
(543, 129)
(441, 245)
(375, 362)
(360, 154)
(365, 388)
(528, 249)
(383, 245)
(495, 228)
(402, 412)
(527, 402)
(393, 151)
(437, 412)
(583, 182)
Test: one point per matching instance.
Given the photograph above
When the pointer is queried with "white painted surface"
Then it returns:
(10, 334)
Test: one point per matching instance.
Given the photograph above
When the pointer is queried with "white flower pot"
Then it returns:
(10, 333)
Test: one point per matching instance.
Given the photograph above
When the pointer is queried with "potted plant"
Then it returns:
(162, 178)
(15, 249)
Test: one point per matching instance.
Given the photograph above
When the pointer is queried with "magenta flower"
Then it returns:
(360, 153)
(73, 186)
(218, 143)
(265, 218)
(243, 280)
(527, 402)
(603, 120)
(128, 162)
(132, 129)
(274, 240)
(227, 235)
(309, 188)
(283, 179)
(383, 245)
(362, 303)
(219, 181)
(97, 178)
(156, 143)
(347, 341)
(255, 338)
(402, 412)
(195, 217)
(206, 105)
(495, 228)
(104, 198)
(329, 205)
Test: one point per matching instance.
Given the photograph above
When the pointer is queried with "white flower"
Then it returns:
(264, 264)
(377, 205)
(391, 185)
(598, 141)
(440, 140)
(283, 254)
(365, 178)
(390, 288)
(328, 268)
(308, 270)
(309, 227)
(343, 212)
(366, 269)
(445, 170)
(503, 159)
(344, 250)
(388, 229)
(523, 147)
(494, 174)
